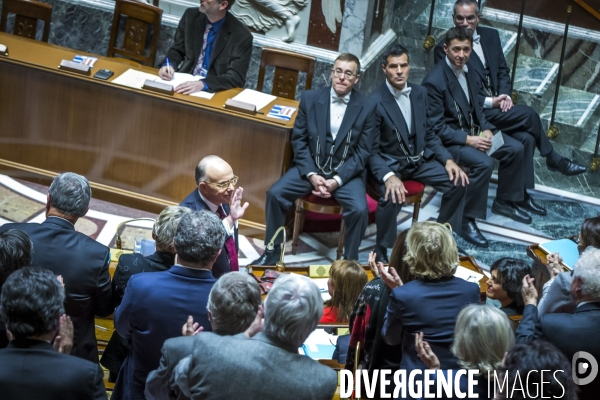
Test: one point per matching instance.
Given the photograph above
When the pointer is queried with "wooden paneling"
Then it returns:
(136, 147)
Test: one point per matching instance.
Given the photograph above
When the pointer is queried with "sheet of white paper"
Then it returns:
(203, 95)
(497, 142)
(259, 99)
(2, 48)
(133, 78)
(179, 78)
(319, 336)
(468, 275)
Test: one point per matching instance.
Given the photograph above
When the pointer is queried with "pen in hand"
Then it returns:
(169, 69)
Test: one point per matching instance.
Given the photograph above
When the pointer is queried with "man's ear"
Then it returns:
(217, 256)
(445, 49)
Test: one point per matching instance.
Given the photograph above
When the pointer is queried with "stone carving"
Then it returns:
(332, 11)
(263, 15)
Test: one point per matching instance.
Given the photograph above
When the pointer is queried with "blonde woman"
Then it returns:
(346, 280)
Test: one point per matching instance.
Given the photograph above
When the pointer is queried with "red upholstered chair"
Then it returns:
(314, 204)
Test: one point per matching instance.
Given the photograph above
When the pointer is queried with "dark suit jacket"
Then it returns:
(230, 56)
(312, 125)
(431, 307)
(494, 56)
(153, 310)
(83, 264)
(160, 383)
(33, 370)
(255, 368)
(570, 333)
(445, 94)
(194, 202)
(387, 156)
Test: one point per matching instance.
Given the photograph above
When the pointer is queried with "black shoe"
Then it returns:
(269, 257)
(510, 211)
(529, 205)
(381, 254)
(565, 166)
(472, 234)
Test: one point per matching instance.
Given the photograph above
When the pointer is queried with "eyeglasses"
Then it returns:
(224, 185)
(460, 19)
(338, 72)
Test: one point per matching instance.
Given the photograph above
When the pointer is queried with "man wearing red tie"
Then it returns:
(216, 192)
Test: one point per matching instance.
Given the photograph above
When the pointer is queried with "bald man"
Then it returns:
(216, 192)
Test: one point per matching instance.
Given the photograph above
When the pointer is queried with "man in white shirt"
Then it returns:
(331, 140)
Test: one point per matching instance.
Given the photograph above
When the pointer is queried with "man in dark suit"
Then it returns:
(331, 141)
(405, 147)
(217, 193)
(82, 262)
(574, 333)
(519, 121)
(268, 365)
(458, 119)
(30, 368)
(155, 304)
(234, 306)
(212, 43)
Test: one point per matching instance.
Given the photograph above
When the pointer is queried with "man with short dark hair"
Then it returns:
(331, 140)
(458, 119)
(209, 42)
(30, 368)
(216, 192)
(80, 260)
(519, 121)
(155, 304)
(406, 147)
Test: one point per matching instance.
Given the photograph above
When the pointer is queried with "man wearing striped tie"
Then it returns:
(212, 43)
(216, 192)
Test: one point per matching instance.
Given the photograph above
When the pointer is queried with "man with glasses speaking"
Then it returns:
(216, 192)
(331, 141)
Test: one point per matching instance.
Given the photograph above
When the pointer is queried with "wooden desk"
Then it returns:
(138, 148)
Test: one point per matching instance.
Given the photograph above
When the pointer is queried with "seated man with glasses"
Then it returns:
(216, 192)
(331, 140)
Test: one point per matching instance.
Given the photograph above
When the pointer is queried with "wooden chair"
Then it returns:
(27, 13)
(287, 67)
(140, 17)
(414, 196)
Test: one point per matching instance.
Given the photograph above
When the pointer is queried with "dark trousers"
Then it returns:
(510, 175)
(524, 124)
(430, 173)
(351, 196)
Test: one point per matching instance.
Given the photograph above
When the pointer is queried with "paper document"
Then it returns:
(179, 78)
(468, 275)
(566, 248)
(203, 95)
(258, 99)
(133, 78)
(319, 345)
(3, 48)
(497, 142)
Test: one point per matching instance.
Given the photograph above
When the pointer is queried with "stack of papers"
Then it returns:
(319, 345)
(135, 79)
(468, 275)
(258, 99)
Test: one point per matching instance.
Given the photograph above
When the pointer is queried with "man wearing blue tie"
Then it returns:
(212, 43)
(331, 141)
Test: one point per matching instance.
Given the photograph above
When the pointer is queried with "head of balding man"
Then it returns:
(215, 179)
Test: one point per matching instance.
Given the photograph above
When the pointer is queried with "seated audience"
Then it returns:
(523, 365)
(432, 301)
(155, 304)
(346, 280)
(15, 252)
(482, 336)
(267, 365)
(570, 333)
(216, 192)
(505, 284)
(556, 293)
(212, 43)
(80, 260)
(30, 368)
(234, 306)
(163, 233)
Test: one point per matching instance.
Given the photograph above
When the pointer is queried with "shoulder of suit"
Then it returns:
(237, 24)
(191, 12)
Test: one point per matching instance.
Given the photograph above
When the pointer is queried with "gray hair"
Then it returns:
(199, 237)
(466, 3)
(588, 269)
(31, 302)
(293, 309)
(166, 225)
(481, 337)
(200, 173)
(70, 194)
(233, 303)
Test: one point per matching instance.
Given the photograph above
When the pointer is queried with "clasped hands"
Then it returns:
(323, 187)
(503, 102)
(482, 142)
(190, 87)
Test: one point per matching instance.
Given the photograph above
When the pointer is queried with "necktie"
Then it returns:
(478, 49)
(337, 99)
(403, 99)
(476, 38)
(404, 92)
(198, 67)
(230, 245)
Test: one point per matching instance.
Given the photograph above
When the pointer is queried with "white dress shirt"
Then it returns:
(403, 100)
(337, 110)
(461, 75)
(214, 207)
